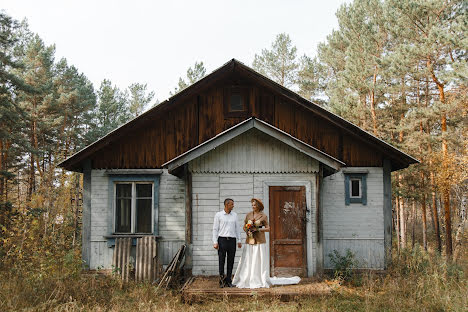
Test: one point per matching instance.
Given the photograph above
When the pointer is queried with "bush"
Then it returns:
(343, 265)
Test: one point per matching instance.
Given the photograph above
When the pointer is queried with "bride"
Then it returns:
(253, 270)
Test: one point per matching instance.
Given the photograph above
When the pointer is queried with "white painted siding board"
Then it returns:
(357, 227)
(253, 152)
(241, 187)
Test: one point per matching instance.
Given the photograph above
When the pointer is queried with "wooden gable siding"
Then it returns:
(201, 117)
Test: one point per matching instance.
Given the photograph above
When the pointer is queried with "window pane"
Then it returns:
(124, 190)
(355, 188)
(237, 103)
(123, 215)
(143, 216)
(144, 190)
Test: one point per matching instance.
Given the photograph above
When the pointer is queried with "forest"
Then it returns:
(396, 68)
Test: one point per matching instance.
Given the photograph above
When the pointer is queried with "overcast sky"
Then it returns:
(154, 42)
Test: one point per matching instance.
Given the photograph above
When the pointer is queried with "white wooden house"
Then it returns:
(325, 183)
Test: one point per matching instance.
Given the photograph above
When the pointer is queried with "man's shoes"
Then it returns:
(229, 284)
(222, 282)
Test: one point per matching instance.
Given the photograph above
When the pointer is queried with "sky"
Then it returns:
(155, 42)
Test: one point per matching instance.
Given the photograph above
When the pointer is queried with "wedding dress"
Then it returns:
(253, 270)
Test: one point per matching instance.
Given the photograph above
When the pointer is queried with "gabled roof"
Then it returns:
(253, 123)
(398, 158)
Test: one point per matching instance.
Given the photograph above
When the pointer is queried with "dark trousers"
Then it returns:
(227, 246)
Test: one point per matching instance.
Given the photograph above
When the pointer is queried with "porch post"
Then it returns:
(86, 237)
(188, 218)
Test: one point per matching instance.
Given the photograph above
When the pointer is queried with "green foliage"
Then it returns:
(310, 79)
(139, 100)
(343, 264)
(112, 110)
(193, 75)
(279, 63)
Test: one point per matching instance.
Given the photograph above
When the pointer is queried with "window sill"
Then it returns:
(111, 238)
(129, 236)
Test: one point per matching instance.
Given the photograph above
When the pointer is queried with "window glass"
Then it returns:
(237, 103)
(355, 188)
(133, 207)
(123, 215)
(124, 190)
(143, 213)
(144, 190)
(123, 208)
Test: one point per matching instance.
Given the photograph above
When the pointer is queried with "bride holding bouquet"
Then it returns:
(253, 270)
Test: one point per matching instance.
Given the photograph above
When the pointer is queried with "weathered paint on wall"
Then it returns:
(171, 218)
(237, 165)
(253, 152)
(357, 227)
(209, 192)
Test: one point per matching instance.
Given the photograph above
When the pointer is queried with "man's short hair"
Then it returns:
(227, 200)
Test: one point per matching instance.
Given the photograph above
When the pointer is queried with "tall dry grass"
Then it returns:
(416, 281)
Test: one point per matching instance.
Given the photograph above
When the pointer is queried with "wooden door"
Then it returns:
(288, 231)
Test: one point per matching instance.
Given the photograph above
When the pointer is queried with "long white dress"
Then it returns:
(253, 270)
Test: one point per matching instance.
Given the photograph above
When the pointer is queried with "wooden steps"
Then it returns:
(206, 288)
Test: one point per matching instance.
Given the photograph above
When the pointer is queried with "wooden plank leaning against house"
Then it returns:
(146, 262)
(121, 259)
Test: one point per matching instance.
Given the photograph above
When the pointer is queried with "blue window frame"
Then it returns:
(355, 188)
(134, 203)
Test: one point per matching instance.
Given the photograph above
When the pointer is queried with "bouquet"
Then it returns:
(250, 227)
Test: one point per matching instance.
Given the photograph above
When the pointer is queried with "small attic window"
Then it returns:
(236, 101)
(355, 188)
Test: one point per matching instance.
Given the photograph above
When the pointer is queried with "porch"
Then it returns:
(202, 288)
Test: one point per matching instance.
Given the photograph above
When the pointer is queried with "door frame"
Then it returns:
(311, 232)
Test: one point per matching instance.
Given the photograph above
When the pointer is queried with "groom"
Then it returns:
(225, 232)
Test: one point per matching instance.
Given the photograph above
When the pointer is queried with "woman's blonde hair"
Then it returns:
(259, 203)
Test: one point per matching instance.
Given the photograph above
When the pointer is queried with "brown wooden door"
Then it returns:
(288, 231)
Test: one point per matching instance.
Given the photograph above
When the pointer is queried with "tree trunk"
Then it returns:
(402, 219)
(435, 214)
(397, 227)
(372, 96)
(446, 189)
(448, 225)
(413, 223)
(461, 227)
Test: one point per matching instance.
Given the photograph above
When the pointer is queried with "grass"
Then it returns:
(417, 281)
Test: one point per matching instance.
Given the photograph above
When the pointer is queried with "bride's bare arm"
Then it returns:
(265, 229)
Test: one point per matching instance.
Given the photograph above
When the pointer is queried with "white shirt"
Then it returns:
(225, 225)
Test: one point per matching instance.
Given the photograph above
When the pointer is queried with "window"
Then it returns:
(356, 188)
(236, 101)
(133, 207)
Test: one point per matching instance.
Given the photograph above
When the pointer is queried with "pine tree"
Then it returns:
(12, 115)
(38, 60)
(138, 98)
(401, 64)
(112, 111)
(279, 63)
(193, 75)
(311, 79)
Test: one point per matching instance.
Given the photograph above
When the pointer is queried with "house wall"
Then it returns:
(171, 219)
(209, 192)
(355, 226)
(243, 169)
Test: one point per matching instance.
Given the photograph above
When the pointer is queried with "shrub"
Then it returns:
(343, 265)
